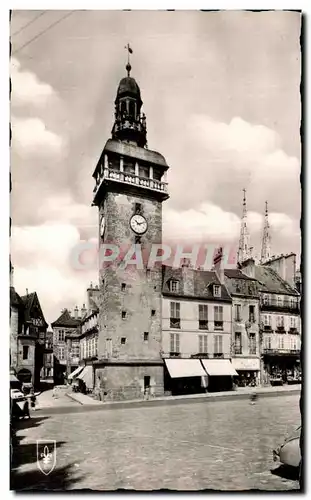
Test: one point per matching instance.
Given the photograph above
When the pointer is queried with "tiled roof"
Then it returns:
(73, 334)
(202, 281)
(15, 299)
(237, 274)
(65, 319)
(240, 284)
(28, 301)
(270, 281)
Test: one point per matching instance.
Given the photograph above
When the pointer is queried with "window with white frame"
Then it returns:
(174, 343)
(218, 345)
(267, 342)
(217, 291)
(267, 320)
(266, 299)
(61, 353)
(61, 335)
(203, 349)
(252, 343)
(173, 286)
(237, 309)
(175, 315)
(280, 301)
(281, 342)
(293, 344)
(203, 318)
(218, 318)
(292, 322)
(280, 321)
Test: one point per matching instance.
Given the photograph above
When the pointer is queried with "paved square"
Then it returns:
(224, 445)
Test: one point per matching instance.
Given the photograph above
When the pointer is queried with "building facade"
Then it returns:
(64, 328)
(245, 350)
(48, 365)
(196, 324)
(280, 324)
(28, 330)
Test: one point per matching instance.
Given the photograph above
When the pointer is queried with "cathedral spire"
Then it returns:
(244, 251)
(265, 248)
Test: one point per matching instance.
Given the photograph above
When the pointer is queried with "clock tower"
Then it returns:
(130, 186)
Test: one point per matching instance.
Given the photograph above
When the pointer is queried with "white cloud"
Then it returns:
(42, 259)
(238, 135)
(31, 136)
(27, 88)
(209, 222)
(284, 225)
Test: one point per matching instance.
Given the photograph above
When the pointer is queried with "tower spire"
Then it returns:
(244, 251)
(265, 247)
(128, 67)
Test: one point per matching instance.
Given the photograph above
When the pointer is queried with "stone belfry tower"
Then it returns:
(130, 188)
(266, 240)
(244, 252)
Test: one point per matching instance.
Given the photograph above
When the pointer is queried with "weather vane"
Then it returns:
(129, 51)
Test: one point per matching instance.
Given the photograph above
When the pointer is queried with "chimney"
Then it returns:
(218, 265)
(26, 291)
(187, 273)
(76, 312)
(83, 311)
(248, 268)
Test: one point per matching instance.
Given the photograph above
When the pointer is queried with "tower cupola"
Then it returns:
(130, 122)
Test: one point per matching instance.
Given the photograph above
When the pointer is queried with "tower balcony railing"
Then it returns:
(130, 178)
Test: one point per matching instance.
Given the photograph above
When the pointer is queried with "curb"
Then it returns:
(162, 402)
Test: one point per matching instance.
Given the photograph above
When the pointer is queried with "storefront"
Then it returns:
(220, 374)
(282, 367)
(248, 371)
(184, 376)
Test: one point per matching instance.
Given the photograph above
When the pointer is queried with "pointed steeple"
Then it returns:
(244, 252)
(266, 240)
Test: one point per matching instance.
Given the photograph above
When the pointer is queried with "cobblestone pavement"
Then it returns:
(224, 445)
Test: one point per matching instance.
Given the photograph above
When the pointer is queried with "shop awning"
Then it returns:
(246, 364)
(75, 372)
(13, 378)
(218, 367)
(179, 368)
(87, 376)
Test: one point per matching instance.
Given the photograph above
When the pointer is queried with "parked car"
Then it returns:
(19, 404)
(289, 452)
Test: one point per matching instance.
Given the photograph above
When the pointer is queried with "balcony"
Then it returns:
(238, 350)
(281, 352)
(267, 328)
(174, 323)
(107, 174)
(218, 355)
(286, 306)
(174, 354)
(280, 329)
(203, 324)
(218, 325)
(293, 330)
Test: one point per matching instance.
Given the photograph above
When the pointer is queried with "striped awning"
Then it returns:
(218, 367)
(180, 368)
(87, 376)
(75, 372)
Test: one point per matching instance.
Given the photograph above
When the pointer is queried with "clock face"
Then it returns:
(138, 224)
(102, 226)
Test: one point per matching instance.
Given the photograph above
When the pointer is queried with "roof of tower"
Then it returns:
(128, 85)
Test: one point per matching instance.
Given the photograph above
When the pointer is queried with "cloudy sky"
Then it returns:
(222, 100)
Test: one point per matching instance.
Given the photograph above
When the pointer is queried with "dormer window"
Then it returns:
(217, 291)
(173, 286)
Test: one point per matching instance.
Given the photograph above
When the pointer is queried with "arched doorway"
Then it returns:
(24, 375)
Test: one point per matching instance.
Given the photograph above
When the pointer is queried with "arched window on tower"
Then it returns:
(123, 108)
(132, 109)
